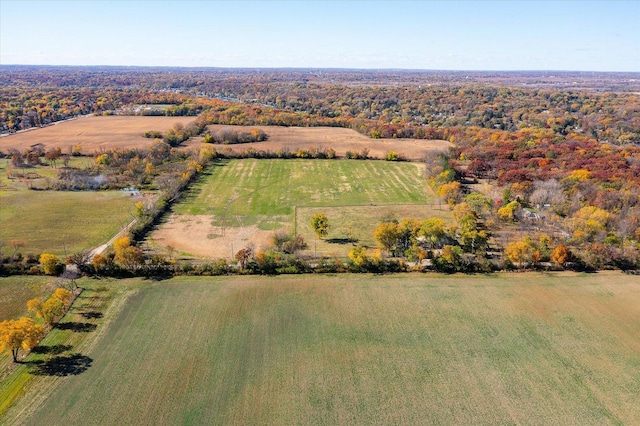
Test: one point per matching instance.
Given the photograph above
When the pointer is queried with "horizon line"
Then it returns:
(201, 67)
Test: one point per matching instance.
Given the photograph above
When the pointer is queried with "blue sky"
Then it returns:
(442, 35)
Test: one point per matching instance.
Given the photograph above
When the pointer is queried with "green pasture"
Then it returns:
(358, 349)
(61, 221)
(273, 194)
(57, 221)
(272, 187)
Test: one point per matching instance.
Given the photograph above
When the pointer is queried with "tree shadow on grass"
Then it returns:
(91, 314)
(51, 350)
(69, 365)
(342, 241)
(80, 327)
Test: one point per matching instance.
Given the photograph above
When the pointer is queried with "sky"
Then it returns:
(434, 35)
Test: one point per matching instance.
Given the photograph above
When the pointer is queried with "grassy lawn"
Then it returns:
(53, 221)
(273, 187)
(356, 349)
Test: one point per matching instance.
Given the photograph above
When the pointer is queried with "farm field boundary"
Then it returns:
(241, 202)
(94, 133)
(400, 349)
(62, 222)
(337, 138)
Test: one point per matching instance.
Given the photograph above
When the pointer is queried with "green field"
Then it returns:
(356, 349)
(16, 290)
(252, 189)
(63, 351)
(269, 195)
(14, 293)
(59, 221)
(44, 171)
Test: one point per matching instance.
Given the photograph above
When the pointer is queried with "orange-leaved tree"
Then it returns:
(560, 255)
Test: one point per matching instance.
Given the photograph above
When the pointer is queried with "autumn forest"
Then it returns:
(536, 160)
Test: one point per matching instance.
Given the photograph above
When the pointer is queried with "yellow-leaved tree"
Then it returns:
(320, 224)
(63, 295)
(127, 255)
(588, 222)
(358, 256)
(387, 234)
(507, 213)
(52, 309)
(50, 263)
(520, 252)
(23, 333)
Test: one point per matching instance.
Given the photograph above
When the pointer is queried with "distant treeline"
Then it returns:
(602, 106)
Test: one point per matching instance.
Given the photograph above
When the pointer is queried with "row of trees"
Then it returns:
(24, 333)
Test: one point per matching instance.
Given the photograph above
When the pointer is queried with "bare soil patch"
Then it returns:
(93, 133)
(340, 139)
(196, 236)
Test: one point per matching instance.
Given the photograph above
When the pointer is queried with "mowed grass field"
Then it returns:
(59, 221)
(357, 349)
(273, 187)
(44, 171)
(244, 201)
(353, 225)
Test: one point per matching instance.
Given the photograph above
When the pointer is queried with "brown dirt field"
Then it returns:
(341, 140)
(93, 133)
(196, 236)
(96, 133)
